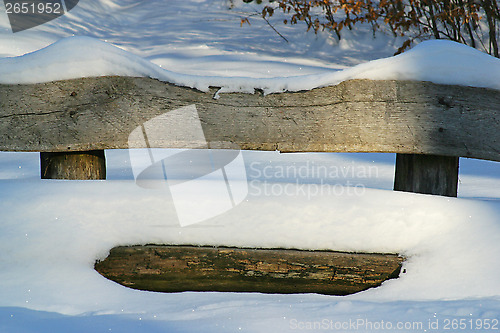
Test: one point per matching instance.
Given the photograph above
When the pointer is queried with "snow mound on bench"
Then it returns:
(438, 61)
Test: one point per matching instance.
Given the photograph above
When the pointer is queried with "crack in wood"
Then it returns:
(28, 114)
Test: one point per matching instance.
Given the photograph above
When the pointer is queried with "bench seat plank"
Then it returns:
(406, 117)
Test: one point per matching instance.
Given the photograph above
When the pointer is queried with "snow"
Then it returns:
(51, 240)
(52, 232)
(438, 61)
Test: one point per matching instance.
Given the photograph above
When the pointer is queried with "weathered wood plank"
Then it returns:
(89, 165)
(355, 116)
(428, 174)
(188, 268)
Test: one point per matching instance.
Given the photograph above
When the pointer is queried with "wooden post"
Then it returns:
(428, 174)
(84, 165)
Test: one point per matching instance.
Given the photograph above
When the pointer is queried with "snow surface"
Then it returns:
(53, 231)
(438, 61)
(51, 239)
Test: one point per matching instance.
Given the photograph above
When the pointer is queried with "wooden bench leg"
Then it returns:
(428, 174)
(84, 165)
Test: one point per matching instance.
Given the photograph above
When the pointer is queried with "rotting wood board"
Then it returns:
(191, 268)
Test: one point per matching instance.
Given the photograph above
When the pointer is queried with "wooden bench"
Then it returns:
(429, 126)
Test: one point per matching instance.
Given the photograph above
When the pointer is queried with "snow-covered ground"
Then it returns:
(51, 232)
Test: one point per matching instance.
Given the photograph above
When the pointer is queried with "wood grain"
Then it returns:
(90, 165)
(355, 116)
(189, 268)
(427, 174)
